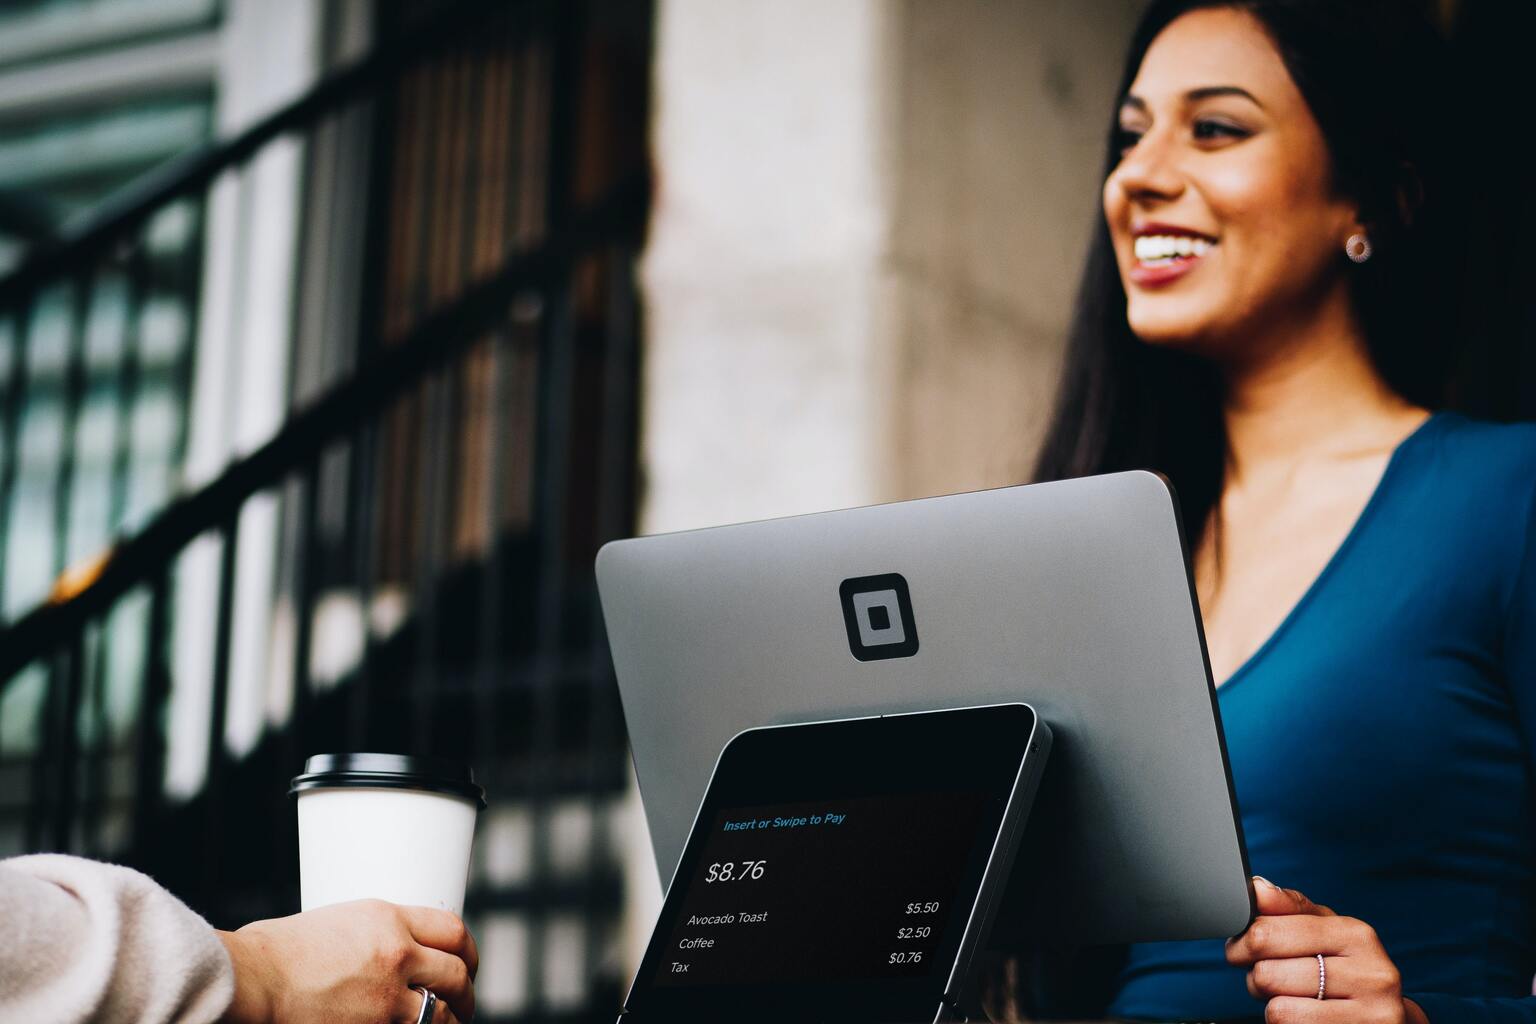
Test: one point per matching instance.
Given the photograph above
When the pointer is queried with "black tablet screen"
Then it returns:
(834, 865)
(851, 889)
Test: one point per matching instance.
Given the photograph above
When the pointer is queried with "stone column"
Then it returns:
(1003, 112)
(763, 280)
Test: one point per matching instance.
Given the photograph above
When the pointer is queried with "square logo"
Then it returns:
(877, 612)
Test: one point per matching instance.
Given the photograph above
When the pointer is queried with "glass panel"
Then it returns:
(505, 941)
(62, 164)
(569, 836)
(127, 638)
(7, 350)
(48, 337)
(29, 549)
(107, 326)
(135, 343)
(504, 846)
(21, 708)
(164, 326)
(30, 29)
(564, 962)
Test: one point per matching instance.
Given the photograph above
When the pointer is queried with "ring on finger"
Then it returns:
(1298, 977)
(428, 1004)
(1322, 977)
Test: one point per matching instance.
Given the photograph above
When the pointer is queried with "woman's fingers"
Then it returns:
(1277, 938)
(447, 976)
(1275, 901)
(1297, 976)
(1308, 1010)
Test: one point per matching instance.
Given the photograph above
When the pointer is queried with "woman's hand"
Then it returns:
(1280, 950)
(352, 963)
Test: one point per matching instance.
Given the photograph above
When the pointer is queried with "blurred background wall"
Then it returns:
(869, 221)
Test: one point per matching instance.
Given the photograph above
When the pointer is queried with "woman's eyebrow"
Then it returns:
(1204, 92)
(1207, 91)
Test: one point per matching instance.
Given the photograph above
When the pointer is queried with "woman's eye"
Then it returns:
(1207, 131)
(1125, 139)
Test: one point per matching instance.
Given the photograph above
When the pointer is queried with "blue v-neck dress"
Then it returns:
(1383, 740)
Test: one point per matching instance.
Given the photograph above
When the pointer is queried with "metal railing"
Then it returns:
(431, 507)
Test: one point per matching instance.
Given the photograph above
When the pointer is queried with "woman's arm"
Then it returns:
(1519, 665)
(82, 941)
(85, 941)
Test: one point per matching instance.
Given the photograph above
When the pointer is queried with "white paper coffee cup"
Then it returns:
(385, 826)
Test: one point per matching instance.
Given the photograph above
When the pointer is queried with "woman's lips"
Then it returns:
(1154, 275)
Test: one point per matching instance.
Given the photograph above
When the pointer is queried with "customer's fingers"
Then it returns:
(442, 930)
(472, 954)
(447, 976)
(408, 1009)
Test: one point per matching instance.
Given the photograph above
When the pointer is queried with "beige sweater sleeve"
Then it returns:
(85, 941)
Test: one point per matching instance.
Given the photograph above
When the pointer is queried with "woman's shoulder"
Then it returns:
(1486, 451)
(1474, 492)
(1475, 486)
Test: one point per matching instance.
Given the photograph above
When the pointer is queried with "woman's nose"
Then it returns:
(1149, 171)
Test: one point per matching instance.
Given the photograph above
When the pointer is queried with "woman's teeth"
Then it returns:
(1156, 249)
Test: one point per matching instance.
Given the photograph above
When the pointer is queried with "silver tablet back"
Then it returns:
(1072, 596)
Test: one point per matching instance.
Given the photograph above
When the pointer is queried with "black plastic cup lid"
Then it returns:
(388, 771)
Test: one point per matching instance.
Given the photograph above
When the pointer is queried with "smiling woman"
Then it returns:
(1275, 112)
(1268, 318)
(1245, 170)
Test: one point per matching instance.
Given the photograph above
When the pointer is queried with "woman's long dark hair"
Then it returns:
(1376, 76)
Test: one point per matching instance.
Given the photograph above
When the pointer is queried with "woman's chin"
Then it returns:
(1177, 333)
(1176, 316)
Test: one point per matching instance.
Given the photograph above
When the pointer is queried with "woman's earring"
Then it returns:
(1358, 248)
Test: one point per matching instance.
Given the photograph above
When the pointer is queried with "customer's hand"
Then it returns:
(352, 963)
(1280, 950)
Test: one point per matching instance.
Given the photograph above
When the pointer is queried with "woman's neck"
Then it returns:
(1315, 396)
